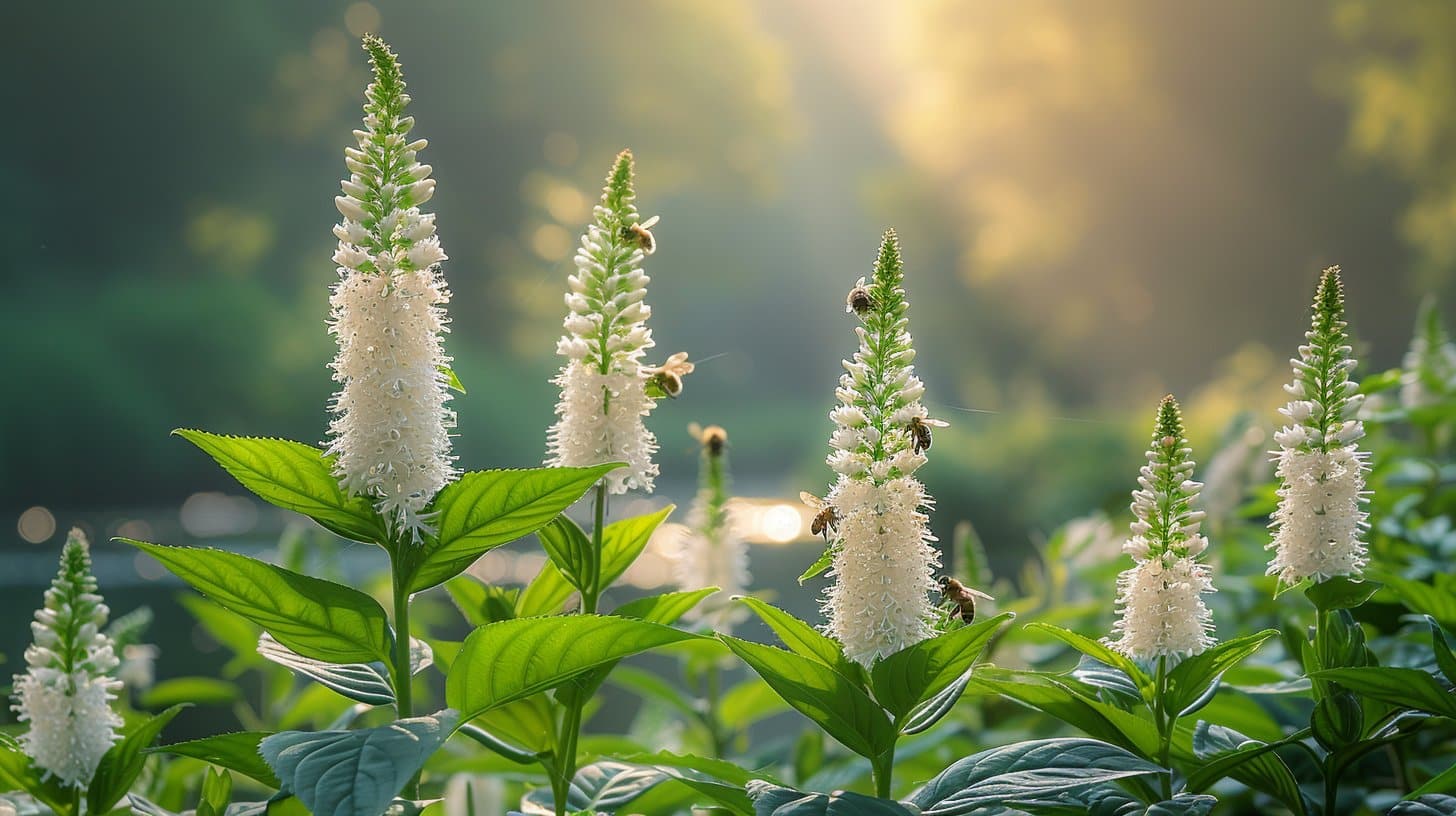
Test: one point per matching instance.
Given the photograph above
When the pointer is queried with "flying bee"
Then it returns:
(642, 233)
(825, 515)
(919, 429)
(961, 599)
(667, 382)
(713, 437)
(859, 300)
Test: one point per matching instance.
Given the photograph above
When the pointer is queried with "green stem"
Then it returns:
(710, 717)
(593, 593)
(1332, 789)
(565, 769)
(403, 674)
(883, 770)
(1165, 721)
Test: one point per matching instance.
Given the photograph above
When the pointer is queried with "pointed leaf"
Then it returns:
(487, 508)
(601, 787)
(1225, 752)
(237, 751)
(916, 673)
(481, 603)
(354, 773)
(1191, 678)
(624, 540)
(821, 694)
(1053, 696)
(773, 800)
(1429, 805)
(311, 616)
(513, 659)
(122, 763)
(1407, 688)
(296, 477)
(1340, 592)
(366, 683)
(805, 641)
(1102, 653)
(569, 549)
(667, 608)
(1445, 660)
(929, 712)
(547, 593)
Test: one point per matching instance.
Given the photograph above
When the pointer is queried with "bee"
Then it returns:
(859, 300)
(713, 437)
(642, 234)
(919, 429)
(667, 382)
(961, 599)
(825, 515)
(667, 379)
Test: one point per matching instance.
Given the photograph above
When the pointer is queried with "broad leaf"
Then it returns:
(1407, 688)
(666, 608)
(513, 659)
(1102, 653)
(1035, 771)
(1341, 592)
(917, 673)
(1437, 601)
(1445, 660)
(805, 641)
(354, 773)
(528, 725)
(311, 616)
(237, 751)
(1434, 804)
(601, 787)
(821, 694)
(1055, 697)
(361, 682)
(773, 800)
(1225, 752)
(122, 763)
(296, 477)
(624, 540)
(720, 780)
(569, 549)
(929, 712)
(19, 774)
(481, 603)
(487, 508)
(1190, 680)
(547, 593)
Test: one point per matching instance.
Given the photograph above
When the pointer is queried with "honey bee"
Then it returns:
(961, 599)
(713, 437)
(642, 234)
(667, 379)
(668, 382)
(859, 300)
(919, 429)
(825, 516)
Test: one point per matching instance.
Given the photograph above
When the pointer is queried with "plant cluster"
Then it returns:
(1339, 702)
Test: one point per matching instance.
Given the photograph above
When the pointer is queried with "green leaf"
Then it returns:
(1340, 592)
(805, 641)
(1189, 681)
(195, 690)
(1428, 805)
(822, 694)
(1443, 782)
(1053, 696)
(667, 608)
(513, 659)
(311, 616)
(122, 763)
(1445, 661)
(1424, 599)
(600, 787)
(774, 800)
(366, 683)
(1032, 771)
(1225, 752)
(237, 751)
(624, 540)
(452, 380)
(569, 549)
(354, 773)
(929, 712)
(720, 780)
(822, 563)
(527, 724)
(1407, 688)
(1102, 653)
(18, 773)
(484, 509)
(481, 603)
(500, 746)
(1338, 720)
(547, 593)
(916, 673)
(296, 477)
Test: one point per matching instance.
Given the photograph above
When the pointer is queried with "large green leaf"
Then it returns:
(366, 683)
(1225, 752)
(484, 509)
(296, 477)
(18, 773)
(122, 763)
(718, 779)
(481, 603)
(1189, 681)
(1050, 694)
(805, 641)
(623, 541)
(1433, 804)
(527, 725)
(822, 694)
(547, 593)
(1102, 653)
(354, 773)
(311, 616)
(569, 549)
(1426, 599)
(666, 608)
(774, 800)
(917, 673)
(1340, 592)
(601, 787)
(513, 659)
(237, 751)
(1445, 660)
(1407, 688)
(1032, 771)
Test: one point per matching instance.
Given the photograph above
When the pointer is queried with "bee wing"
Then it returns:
(651, 222)
(979, 594)
(811, 500)
(695, 431)
(936, 423)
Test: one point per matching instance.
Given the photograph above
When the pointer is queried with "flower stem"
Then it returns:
(403, 674)
(1165, 720)
(883, 770)
(564, 769)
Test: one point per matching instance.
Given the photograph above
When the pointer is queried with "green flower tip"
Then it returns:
(1170, 421)
(1428, 322)
(76, 562)
(619, 183)
(1329, 297)
(889, 268)
(382, 59)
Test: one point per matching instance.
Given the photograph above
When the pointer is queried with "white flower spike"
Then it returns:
(712, 551)
(1320, 522)
(883, 559)
(606, 390)
(66, 693)
(1160, 598)
(390, 432)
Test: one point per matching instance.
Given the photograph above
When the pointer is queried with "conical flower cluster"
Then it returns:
(1160, 598)
(606, 391)
(883, 559)
(390, 432)
(1320, 521)
(1430, 364)
(712, 552)
(66, 693)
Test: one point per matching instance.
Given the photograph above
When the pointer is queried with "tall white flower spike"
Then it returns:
(1160, 598)
(712, 551)
(883, 561)
(1429, 365)
(390, 432)
(1320, 522)
(66, 692)
(606, 390)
